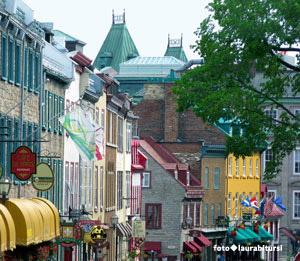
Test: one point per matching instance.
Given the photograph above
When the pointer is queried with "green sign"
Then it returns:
(138, 229)
(43, 180)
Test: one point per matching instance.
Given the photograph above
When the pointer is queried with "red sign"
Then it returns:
(23, 163)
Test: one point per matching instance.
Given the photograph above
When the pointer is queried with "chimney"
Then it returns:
(171, 116)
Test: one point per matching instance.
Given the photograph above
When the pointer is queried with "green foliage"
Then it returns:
(244, 72)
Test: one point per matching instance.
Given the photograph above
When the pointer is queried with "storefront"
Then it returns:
(28, 227)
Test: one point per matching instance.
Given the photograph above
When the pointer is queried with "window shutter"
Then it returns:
(4, 57)
(18, 64)
(25, 68)
(30, 136)
(2, 144)
(9, 144)
(30, 71)
(50, 111)
(61, 113)
(36, 135)
(55, 113)
(11, 61)
(16, 133)
(37, 73)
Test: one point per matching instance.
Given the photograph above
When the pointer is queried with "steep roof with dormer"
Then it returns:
(175, 49)
(117, 47)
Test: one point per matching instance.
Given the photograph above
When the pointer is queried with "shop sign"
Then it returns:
(43, 180)
(70, 235)
(98, 234)
(23, 163)
(138, 229)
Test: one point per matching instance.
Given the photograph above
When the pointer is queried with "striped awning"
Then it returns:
(124, 229)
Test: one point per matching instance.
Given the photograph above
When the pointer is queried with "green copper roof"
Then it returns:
(175, 49)
(117, 47)
(176, 52)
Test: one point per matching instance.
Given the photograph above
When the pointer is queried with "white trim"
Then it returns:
(294, 161)
(230, 167)
(295, 218)
(273, 190)
(244, 167)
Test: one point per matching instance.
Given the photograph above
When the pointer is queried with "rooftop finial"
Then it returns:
(174, 42)
(119, 19)
(181, 39)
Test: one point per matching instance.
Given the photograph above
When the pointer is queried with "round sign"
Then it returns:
(44, 178)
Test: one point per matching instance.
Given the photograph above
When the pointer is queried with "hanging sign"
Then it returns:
(138, 229)
(44, 178)
(23, 163)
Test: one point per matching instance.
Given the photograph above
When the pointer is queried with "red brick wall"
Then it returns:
(171, 116)
(151, 121)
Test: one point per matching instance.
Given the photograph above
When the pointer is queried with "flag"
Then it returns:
(246, 202)
(253, 203)
(79, 125)
(278, 202)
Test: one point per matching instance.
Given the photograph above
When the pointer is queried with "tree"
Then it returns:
(244, 71)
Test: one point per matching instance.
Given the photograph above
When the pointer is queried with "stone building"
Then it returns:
(171, 205)
(20, 86)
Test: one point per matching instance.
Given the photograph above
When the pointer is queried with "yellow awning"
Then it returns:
(48, 219)
(10, 227)
(3, 235)
(54, 213)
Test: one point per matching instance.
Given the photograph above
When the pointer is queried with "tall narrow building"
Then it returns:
(118, 45)
(175, 49)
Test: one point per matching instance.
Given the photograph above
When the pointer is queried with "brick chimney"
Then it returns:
(171, 116)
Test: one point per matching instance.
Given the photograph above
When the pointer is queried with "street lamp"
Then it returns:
(115, 222)
(5, 186)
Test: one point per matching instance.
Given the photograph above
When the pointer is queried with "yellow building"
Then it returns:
(242, 180)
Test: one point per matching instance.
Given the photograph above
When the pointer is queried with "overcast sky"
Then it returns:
(149, 22)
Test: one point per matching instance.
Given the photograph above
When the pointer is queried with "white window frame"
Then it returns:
(265, 155)
(230, 167)
(294, 161)
(256, 168)
(236, 208)
(272, 191)
(149, 179)
(229, 206)
(270, 110)
(237, 167)
(250, 167)
(244, 167)
(294, 192)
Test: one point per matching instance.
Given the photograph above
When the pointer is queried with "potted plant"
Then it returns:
(188, 255)
(132, 254)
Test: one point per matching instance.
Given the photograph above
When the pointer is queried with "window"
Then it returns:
(271, 193)
(217, 178)
(205, 221)
(244, 167)
(237, 167)
(67, 191)
(111, 124)
(229, 204)
(96, 203)
(97, 115)
(268, 156)
(103, 118)
(272, 113)
(120, 134)
(146, 180)
(236, 204)
(212, 214)
(61, 112)
(250, 168)
(256, 168)
(185, 209)
(153, 216)
(197, 219)
(192, 212)
(101, 188)
(230, 167)
(206, 178)
(4, 57)
(49, 109)
(219, 206)
(18, 64)
(120, 189)
(90, 187)
(297, 161)
(127, 189)
(76, 187)
(128, 137)
(296, 204)
(11, 60)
